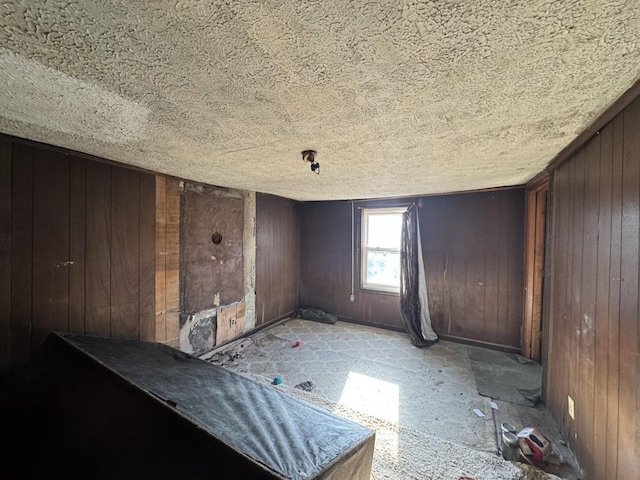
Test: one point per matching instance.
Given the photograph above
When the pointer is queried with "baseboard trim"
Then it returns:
(270, 323)
(480, 343)
(369, 324)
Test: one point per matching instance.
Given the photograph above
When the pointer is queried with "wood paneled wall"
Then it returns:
(167, 261)
(593, 350)
(534, 268)
(277, 257)
(78, 248)
(473, 250)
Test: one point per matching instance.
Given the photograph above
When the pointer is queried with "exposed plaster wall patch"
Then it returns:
(249, 264)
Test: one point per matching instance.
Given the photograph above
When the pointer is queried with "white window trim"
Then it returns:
(364, 224)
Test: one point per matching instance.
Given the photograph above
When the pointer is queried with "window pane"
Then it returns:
(384, 230)
(383, 268)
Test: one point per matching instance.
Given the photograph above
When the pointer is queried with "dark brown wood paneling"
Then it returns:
(147, 259)
(629, 407)
(613, 324)
(589, 291)
(480, 237)
(593, 352)
(601, 361)
(472, 245)
(77, 243)
(456, 244)
(325, 263)
(511, 334)
(504, 261)
(5, 249)
(50, 301)
(575, 285)
(276, 257)
(80, 239)
(21, 252)
(125, 252)
(98, 250)
(492, 281)
(438, 260)
(475, 270)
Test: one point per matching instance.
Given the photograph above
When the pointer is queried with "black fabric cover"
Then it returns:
(413, 317)
(104, 408)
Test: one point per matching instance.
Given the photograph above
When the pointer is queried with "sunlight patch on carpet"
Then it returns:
(377, 398)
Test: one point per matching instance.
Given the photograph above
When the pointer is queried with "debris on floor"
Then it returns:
(316, 315)
(371, 377)
(307, 386)
(560, 460)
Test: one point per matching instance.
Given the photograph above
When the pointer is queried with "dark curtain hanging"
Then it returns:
(414, 306)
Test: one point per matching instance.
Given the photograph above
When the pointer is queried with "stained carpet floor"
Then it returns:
(421, 402)
(506, 376)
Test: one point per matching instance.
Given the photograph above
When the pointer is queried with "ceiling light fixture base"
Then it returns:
(310, 156)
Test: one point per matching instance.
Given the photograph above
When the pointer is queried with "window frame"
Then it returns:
(364, 249)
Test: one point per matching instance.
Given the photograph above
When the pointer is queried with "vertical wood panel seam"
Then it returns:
(167, 216)
(580, 306)
(484, 272)
(509, 286)
(637, 372)
(7, 354)
(593, 393)
(32, 151)
(110, 250)
(139, 254)
(166, 257)
(86, 228)
(611, 206)
(84, 249)
(607, 332)
(622, 142)
(69, 251)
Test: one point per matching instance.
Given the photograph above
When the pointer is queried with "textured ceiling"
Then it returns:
(398, 98)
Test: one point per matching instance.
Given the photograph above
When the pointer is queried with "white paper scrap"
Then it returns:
(478, 412)
(494, 405)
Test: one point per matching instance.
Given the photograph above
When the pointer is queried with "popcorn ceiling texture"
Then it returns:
(398, 98)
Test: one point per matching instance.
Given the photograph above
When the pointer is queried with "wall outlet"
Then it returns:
(352, 298)
(571, 405)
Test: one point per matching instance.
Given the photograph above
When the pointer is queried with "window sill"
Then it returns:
(378, 292)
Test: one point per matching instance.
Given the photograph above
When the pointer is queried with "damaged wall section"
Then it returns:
(219, 274)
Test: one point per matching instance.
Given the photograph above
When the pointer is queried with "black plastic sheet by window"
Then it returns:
(126, 409)
(414, 306)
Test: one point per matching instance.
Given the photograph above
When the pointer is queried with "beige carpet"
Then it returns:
(420, 402)
(405, 454)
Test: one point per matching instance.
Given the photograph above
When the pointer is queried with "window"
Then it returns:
(381, 235)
